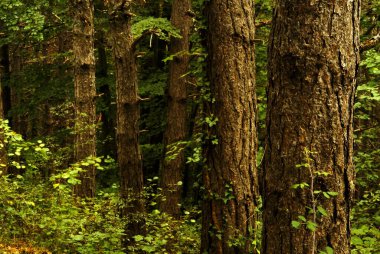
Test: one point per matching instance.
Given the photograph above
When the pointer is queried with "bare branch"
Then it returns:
(369, 44)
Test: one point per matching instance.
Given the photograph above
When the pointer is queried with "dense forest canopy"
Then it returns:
(190, 126)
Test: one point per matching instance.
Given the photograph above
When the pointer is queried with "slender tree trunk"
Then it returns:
(107, 132)
(3, 153)
(85, 92)
(176, 128)
(5, 103)
(128, 115)
(6, 96)
(18, 118)
(313, 63)
(230, 176)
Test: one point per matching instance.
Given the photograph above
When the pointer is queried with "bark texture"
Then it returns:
(230, 177)
(128, 114)
(176, 128)
(313, 63)
(85, 92)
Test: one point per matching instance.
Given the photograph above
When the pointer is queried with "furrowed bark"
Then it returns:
(313, 64)
(85, 92)
(230, 179)
(176, 128)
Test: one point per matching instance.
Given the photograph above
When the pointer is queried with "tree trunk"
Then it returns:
(107, 130)
(16, 93)
(313, 63)
(6, 96)
(230, 176)
(128, 114)
(85, 92)
(3, 152)
(176, 128)
(5, 101)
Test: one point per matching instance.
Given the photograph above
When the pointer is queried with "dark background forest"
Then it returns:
(149, 127)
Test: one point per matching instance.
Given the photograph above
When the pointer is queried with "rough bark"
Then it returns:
(313, 63)
(128, 114)
(85, 92)
(230, 177)
(176, 128)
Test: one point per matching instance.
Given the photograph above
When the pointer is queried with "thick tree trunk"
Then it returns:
(230, 177)
(176, 128)
(313, 63)
(128, 114)
(85, 92)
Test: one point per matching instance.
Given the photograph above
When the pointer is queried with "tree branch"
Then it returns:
(369, 44)
(263, 23)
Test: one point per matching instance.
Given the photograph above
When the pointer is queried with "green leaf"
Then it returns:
(138, 238)
(149, 248)
(77, 237)
(311, 225)
(355, 240)
(296, 224)
(329, 250)
(325, 194)
(302, 218)
(333, 193)
(322, 210)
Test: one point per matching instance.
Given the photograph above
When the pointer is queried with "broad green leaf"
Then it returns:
(296, 224)
(329, 250)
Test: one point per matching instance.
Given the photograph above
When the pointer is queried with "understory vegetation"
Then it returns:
(39, 209)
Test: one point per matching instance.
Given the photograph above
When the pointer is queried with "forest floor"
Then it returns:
(21, 248)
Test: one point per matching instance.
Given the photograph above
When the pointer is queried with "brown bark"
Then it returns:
(230, 177)
(85, 92)
(176, 128)
(128, 115)
(313, 63)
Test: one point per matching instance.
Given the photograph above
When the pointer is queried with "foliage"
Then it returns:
(22, 18)
(158, 26)
(366, 224)
(164, 233)
(36, 202)
(35, 212)
(314, 208)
